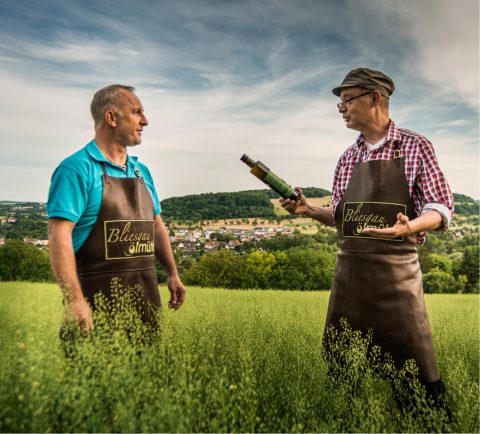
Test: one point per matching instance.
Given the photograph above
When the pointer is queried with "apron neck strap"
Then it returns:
(396, 150)
(139, 175)
(105, 176)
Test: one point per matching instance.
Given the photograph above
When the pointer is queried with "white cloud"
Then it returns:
(447, 45)
(69, 47)
(253, 98)
(457, 123)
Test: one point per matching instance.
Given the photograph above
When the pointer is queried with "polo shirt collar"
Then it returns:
(95, 152)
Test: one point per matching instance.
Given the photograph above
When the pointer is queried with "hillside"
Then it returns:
(28, 219)
(260, 204)
(465, 205)
(241, 204)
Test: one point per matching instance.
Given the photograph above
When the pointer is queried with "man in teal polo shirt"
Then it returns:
(104, 215)
(76, 188)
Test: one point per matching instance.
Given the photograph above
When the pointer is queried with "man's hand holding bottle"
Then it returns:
(296, 207)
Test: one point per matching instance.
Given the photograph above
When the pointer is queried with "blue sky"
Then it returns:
(223, 78)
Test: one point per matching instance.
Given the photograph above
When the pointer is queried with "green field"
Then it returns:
(228, 361)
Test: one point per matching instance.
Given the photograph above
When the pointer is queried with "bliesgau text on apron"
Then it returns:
(120, 250)
(378, 282)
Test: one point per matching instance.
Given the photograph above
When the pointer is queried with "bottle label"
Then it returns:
(278, 184)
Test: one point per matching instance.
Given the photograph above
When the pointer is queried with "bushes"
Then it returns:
(21, 261)
(456, 273)
(470, 263)
(297, 268)
(219, 269)
(301, 263)
(438, 281)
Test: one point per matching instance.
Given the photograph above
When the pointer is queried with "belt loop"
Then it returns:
(105, 176)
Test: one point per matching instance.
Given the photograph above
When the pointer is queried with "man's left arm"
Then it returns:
(428, 221)
(436, 204)
(164, 254)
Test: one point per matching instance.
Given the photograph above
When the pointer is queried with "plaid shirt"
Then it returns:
(427, 185)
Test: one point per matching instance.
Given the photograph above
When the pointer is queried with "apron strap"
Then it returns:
(139, 175)
(359, 159)
(105, 176)
(397, 157)
(396, 151)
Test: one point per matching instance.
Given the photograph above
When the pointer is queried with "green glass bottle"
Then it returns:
(265, 175)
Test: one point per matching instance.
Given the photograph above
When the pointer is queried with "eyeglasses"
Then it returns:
(345, 103)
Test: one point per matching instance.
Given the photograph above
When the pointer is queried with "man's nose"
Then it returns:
(144, 121)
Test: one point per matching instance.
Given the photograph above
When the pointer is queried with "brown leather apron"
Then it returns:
(120, 251)
(378, 282)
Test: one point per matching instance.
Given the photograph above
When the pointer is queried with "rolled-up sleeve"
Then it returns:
(435, 193)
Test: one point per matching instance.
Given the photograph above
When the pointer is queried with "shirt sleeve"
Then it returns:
(336, 185)
(434, 191)
(67, 197)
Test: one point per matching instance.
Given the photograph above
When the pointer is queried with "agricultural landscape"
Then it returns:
(228, 361)
(244, 353)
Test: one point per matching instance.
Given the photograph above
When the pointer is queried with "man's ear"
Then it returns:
(110, 118)
(376, 98)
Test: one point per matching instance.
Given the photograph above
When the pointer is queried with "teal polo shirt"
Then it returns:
(76, 190)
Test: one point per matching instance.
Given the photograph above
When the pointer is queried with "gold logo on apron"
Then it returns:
(359, 215)
(125, 239)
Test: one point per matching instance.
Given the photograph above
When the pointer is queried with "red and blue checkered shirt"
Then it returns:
(427, 185)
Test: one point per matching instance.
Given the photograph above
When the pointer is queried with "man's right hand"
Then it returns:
(62, 258)
(81, 313)
(296, 207)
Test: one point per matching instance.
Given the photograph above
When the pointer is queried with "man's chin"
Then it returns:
(352, 126)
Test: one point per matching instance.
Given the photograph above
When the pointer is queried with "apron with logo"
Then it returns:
(378, 282)
(120, 252)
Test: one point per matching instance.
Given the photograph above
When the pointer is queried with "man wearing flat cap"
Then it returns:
(388, 191)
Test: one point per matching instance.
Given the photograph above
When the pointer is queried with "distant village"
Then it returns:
(187, 240)
(191, 240)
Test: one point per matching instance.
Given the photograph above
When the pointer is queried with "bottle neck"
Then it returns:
(248, 161)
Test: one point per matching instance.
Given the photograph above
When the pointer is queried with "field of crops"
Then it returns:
(228, 361)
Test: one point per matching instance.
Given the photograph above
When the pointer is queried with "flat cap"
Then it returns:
(368, 79)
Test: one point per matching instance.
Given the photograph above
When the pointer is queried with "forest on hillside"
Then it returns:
(20, 220)
(241, 204)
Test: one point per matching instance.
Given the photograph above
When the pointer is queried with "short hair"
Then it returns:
(105, 99)
(385, 102)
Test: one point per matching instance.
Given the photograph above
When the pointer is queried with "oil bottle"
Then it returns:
(265, 175)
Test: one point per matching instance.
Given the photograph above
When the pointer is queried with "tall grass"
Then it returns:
(228, 361)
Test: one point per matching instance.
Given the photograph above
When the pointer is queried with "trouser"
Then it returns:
(405, 389)
(435, 393)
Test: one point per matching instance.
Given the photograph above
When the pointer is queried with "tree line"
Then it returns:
(449, 264)
(307, 262)
(241, 204)
(303, 262)
(192, 208)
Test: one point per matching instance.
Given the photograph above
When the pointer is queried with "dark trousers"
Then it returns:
(435, 393)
